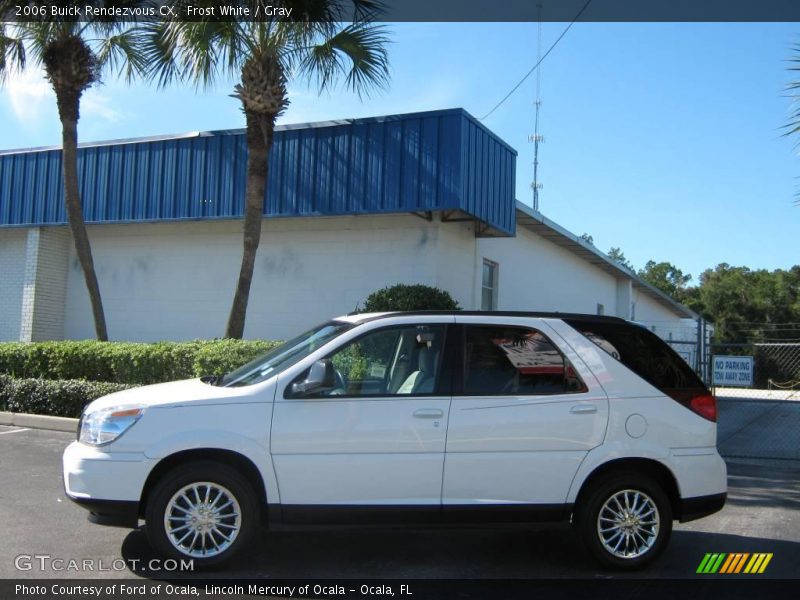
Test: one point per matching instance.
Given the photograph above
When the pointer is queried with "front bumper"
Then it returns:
(108, 484)
(114, 513)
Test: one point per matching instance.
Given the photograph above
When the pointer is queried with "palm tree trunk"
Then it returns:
(260, 130)
(68, 104)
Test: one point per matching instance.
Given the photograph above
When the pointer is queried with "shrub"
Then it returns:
(63, 398)
(126, 363)
(402, 297)
(223, 356)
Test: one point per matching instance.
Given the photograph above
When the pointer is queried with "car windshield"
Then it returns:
(284, 356)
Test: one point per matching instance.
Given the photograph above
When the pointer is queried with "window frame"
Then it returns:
(495, 279)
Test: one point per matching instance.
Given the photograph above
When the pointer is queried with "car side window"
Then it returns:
(515, 361)
(394, 361)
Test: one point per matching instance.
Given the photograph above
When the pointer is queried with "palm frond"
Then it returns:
(197, 51)
(357, 52)
(124, 52)
(12, 54)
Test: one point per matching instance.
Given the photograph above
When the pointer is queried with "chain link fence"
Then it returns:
(758, 388)
(766, 371)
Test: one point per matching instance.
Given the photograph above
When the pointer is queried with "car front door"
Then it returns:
(369, 444)
(525, 413)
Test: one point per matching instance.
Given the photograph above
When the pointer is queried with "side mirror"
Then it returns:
(321, 378)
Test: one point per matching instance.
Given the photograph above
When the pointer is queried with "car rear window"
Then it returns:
(643, 352)
(515, 361)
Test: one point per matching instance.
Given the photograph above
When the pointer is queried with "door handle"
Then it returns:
(583, 409)
(428, 413)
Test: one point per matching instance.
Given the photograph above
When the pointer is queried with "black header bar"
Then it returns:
(598, 11)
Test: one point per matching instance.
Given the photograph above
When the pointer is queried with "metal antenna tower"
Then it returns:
(536, 138)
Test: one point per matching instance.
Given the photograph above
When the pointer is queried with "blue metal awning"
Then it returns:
(442, 161)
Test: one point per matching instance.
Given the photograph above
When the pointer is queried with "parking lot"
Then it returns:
(762, 515)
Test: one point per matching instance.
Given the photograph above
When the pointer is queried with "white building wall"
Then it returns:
(12, 277)
(661, 320)
(535, 274)
(456, 255)
(176, 280)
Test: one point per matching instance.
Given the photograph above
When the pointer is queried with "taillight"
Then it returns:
(699, 401)
(704, 405)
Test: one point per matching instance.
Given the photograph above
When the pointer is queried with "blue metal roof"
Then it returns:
(442, 161)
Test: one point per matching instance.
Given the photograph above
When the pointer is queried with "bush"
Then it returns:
(126, 363)
(223, 356)
(402, 297)
(64, 398)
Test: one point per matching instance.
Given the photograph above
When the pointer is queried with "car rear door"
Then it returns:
(525, 412)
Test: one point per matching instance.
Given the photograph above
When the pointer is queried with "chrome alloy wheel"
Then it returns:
(202, 519)
(628, 524)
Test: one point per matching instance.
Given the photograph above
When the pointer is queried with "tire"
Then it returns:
(635, 542)
(222, 504)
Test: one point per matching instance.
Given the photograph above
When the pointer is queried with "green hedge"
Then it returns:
(402, 297)
(126, 363)
(65, 398)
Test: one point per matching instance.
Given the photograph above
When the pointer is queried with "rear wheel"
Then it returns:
(205, 511)
(625, 520)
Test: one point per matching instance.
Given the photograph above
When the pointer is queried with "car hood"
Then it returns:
(187, 391)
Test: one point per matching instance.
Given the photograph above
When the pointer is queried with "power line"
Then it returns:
(538, 62)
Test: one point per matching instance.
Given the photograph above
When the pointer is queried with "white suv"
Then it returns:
(414, 418)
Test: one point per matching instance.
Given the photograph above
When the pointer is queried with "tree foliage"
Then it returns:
(744, 305)
(402, 297)
(618, 256)
(750, 305)
(666, 277)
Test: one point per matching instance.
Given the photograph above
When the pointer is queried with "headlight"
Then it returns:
(105, 425)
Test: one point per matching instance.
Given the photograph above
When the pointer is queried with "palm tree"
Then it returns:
(314, 46)
(73, 60)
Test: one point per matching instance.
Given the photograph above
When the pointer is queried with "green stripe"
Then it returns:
(718, 564)
(701, 568)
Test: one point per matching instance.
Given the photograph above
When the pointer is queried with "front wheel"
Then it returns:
(625, 521)
(204, 511)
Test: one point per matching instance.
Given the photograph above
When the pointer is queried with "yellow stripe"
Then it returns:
(727, 562)
(749, 566)
(759, 559)
(741, 562)
(765, 563)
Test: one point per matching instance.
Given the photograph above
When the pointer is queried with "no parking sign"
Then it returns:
(733, 371)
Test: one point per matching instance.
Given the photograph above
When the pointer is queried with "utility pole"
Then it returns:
(536, 138)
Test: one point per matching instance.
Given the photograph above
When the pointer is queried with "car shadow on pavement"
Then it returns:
(522, 553)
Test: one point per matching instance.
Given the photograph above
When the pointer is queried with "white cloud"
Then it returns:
(33, 101)
(95, 105)
(31, 97)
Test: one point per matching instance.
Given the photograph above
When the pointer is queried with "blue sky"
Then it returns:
(663, 139)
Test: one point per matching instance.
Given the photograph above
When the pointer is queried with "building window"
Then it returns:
(601, 309)
(489, 285)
